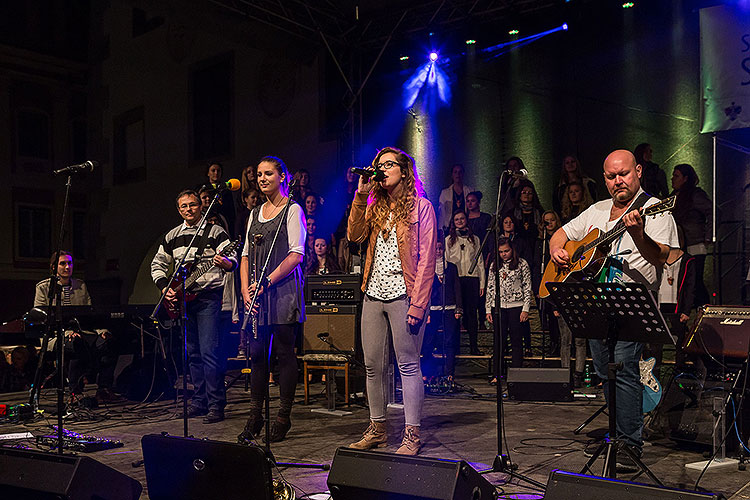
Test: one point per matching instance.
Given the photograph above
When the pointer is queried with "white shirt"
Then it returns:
(668, 292)
(445, 205)
(661, 228)
(296, 229)
(386, 280)
(463, 258)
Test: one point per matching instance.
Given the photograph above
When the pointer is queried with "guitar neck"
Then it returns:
(608, 237)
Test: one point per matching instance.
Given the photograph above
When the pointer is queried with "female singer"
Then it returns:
(280, 306)
(397, 282)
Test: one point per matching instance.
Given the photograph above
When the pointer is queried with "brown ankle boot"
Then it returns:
(374, 437)
(410, 444)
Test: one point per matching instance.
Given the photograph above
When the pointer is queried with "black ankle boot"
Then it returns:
(252, 428)
(279, 430)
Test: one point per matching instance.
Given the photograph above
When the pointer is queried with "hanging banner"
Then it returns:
(725, 67)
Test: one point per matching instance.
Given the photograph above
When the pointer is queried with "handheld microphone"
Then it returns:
(231, 184)
(87, 166)
(377, 175)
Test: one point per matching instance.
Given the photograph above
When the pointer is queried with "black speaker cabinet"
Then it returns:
(180, 468)
(368, 475)
(339, 321)
(570, 486)
(539, 384)
(32, 475)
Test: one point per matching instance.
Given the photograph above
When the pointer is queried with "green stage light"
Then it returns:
(403, 58)
(628, 5)
(513, 32)
(470, 42)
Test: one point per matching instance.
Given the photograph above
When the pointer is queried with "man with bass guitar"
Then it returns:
(635, 254)
(203, 342)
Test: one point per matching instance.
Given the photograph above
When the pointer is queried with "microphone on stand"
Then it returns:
(518, 174)
(87, 166)
(377, 175)
(231, 184)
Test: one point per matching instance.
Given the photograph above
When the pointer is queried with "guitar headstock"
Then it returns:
(666, 205)
(231, 248)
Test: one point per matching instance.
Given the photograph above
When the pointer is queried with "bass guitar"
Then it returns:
(651, 386)
(195, 272)
(588, 256)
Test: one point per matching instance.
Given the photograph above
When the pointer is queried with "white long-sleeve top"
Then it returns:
(461, 253)
(515, 287)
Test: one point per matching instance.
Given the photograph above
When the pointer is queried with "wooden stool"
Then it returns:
(330, 363)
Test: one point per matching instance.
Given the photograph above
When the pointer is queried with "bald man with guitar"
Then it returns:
(623, 244)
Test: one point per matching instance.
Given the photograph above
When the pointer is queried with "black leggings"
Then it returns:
(470, 296)
(282, 347)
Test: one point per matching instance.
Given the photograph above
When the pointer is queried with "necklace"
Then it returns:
(670, 270)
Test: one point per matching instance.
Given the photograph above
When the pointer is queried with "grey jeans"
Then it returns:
(378, 320)
(566, 337)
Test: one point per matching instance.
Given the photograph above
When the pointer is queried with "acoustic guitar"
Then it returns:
(195, 272)
(588, 256)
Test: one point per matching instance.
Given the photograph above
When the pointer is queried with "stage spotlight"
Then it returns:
(433, 56)
(628, 5)
(565, 26)
(513, 32)
(403, 58)
(470, 42)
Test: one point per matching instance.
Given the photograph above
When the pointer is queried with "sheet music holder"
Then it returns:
(612, 312)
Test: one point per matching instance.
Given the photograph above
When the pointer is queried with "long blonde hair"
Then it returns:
(411, 188)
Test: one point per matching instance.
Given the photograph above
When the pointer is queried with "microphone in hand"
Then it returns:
(376, 174)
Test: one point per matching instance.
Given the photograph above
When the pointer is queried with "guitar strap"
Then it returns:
(202, 242)
(610, 270)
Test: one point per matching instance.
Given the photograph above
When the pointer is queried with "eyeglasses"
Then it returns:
(387, 165)
(189, 205)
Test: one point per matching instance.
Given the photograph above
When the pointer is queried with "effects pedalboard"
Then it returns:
(78, 442)
(16, 413)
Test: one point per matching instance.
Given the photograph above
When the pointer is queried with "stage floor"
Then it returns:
(455, 426)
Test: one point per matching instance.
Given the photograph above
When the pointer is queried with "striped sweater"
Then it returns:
(173, 247)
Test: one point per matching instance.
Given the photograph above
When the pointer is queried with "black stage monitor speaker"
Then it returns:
(339, 321)
(539, 384)
(367, 475)
(33, 475)
(180, 468)
(570, 486)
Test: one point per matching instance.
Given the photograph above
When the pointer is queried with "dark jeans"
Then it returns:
(281, 341)
(513, 328)
(470, 296)
(549, 321)
(204, 351)
(702, 296)
(629, 388)
(435, 340)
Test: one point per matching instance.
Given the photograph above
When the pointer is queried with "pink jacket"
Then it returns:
(416, 247)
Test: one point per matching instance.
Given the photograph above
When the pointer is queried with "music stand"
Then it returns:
(629, 312)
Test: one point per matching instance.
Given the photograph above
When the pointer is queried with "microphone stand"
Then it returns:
(542, 302)
(502, 462)
(54, 304)
(324, 337)
(180, 274)
(266, 339)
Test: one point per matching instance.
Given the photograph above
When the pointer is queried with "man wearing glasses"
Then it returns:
(204, 349)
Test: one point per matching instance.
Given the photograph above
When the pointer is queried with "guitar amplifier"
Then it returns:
(333, 288)
(722, 331)
(340, 321)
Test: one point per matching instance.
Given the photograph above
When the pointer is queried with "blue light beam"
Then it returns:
(431, 75)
